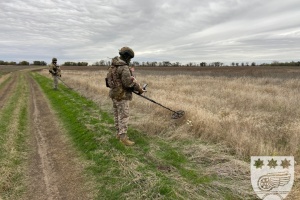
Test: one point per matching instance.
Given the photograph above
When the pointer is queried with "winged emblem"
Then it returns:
(273, 180)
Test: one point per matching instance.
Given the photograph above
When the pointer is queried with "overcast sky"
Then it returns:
(157, 30)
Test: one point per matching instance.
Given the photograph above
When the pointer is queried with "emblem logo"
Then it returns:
(272, 177)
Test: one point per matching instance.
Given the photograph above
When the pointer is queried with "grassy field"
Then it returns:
(154, 168)
(229, 111)
(251, 112)
(231, 114)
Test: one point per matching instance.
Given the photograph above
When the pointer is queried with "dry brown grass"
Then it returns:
(251, 115)
(4, 77)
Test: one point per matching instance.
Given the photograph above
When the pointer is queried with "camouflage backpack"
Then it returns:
(114, 82)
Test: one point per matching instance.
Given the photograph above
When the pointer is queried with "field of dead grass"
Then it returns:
(249, 114)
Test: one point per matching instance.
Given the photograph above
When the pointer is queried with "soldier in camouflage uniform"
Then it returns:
(54, 69)
(122, 82)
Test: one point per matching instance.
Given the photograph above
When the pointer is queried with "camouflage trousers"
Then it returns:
(121, 115)
(55, 82)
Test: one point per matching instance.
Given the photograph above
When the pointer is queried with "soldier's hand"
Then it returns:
(140, 90)
(133, 79)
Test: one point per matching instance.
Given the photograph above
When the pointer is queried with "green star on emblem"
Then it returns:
(285, 163)
(258, 163)
(272, 163)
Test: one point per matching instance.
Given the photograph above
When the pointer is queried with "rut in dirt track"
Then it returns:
(55, 172)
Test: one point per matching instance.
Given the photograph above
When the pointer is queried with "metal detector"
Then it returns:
(64, 83)
(175, 115)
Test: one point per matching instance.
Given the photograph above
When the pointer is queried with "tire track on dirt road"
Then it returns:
(55, 171)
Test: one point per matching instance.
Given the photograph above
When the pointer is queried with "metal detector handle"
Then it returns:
(145, 86)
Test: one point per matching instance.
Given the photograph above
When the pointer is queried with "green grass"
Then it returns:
(122, 172)
(12, 154)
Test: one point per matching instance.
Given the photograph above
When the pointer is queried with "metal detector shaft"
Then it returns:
(176, 114)
(153, 101)
(63, 82)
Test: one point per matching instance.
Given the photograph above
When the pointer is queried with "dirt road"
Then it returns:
(58, 175)
(53, 169)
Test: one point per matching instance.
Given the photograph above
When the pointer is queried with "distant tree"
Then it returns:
(253, 64)
(102, 62)
(203, 64)
(36, 62)
(242, 64)
(70, 64)
(232, 64)
(82, 64)
(237, 64)
(247, 63)
(166, 63)
(217, 64)
(154, 64)
(67, 64)
(189, 64)
(176, 64)
(135, 63)
(24, 62)
(39, 63)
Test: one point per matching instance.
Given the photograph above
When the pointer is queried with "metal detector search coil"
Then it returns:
(177, 114)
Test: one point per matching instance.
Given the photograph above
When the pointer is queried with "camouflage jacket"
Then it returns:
(54, 69)
(121, 80)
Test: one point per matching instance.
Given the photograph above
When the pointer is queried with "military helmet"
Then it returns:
(126, 51)
(54, 60)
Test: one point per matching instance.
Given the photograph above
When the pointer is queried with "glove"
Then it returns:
(141, 91)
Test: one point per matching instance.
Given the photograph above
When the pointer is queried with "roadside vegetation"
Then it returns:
(13, 129)
(154, 168)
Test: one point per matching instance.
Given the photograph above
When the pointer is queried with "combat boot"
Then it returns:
(125, 140)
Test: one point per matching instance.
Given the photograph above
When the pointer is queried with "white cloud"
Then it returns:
(174, 30)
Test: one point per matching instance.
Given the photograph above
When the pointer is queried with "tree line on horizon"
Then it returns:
(158, 64)
(42, 63)
(201, 64)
